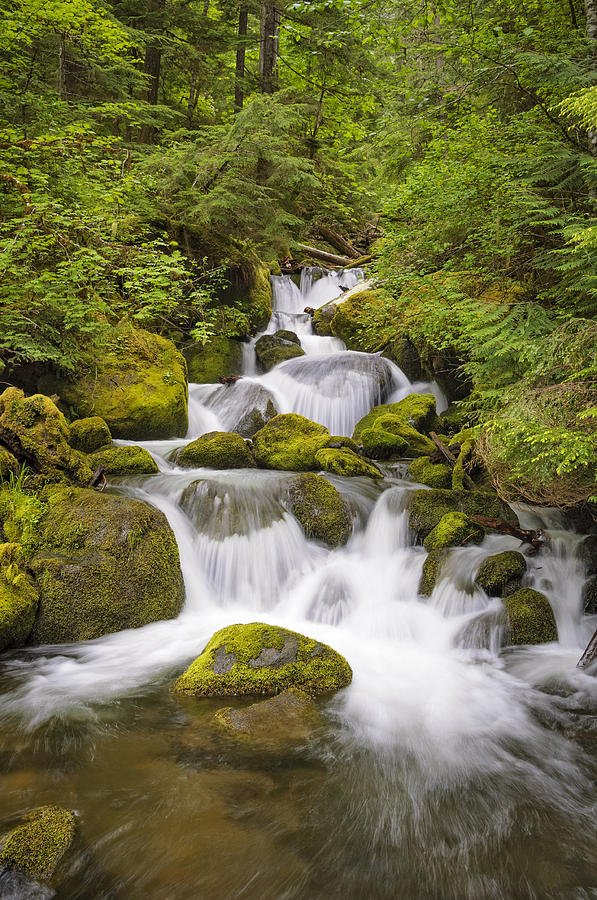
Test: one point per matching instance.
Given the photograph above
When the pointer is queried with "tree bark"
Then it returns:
(590, 654)
(268, 49)
(591, 11)
(153, 63)
(239, 89)
(324, 256)
(61, 70)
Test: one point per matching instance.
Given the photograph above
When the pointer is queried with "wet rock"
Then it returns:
(19, 598)
(289, 442)
(272, 349)
(344, 461)
(252, 420)
(530, 618)
(431, 571)
(438, 475)
(501, 575)
(589, 596)
(289, 718)
(16, 886)
(403, 352)
(322, 319)
(588, 554)
(217, 450)
(220, 356)
(222, 510)
(428, 507)
(34, 429)
(362, 320)
(320, 509)
(104, 563)
(124, 461)
(88, 435)
(455, 529)
(39, 848)
(257, 659)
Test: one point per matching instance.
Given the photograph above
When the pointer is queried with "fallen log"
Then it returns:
(590, 654)
(337, 241)
(451, 459)
(99, 479)
(326, 257)
(536, 538)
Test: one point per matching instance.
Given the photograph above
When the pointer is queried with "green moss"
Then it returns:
(416, 410)
(273, 349)
(21, 511)
(339, 442)
(289, 442)
(361, 321)
(257, 659)
(258, 296)
(138, 386)
(217, 450)
(500, 575)
(125, 461)
(38, 847)
(9, 465)
(320, 509)
(431, 570)
(271, 724)
(38, 428)
(455, 418)
(403, 352)
(455, 529)
(435, 475)
(461, 468)
(88, 435)
(104, 563)
(322, 318)
(530, 618)
(380, 444)
(221, 356)
(345, 462)
(18, 598)
(428, 507)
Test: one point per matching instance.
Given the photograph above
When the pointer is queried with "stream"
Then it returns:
(449, 768)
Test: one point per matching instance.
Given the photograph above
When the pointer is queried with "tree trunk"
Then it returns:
(324, 256)
(239, 90)
(591, 11)
(153, 63)
(61, 70)
(268, 49)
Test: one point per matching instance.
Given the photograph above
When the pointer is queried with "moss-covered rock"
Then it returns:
(289, 442)
(461, 471)
(18, 598)
(431, 571)
(403, 352)
(9, 464)
(455, 529)
(501, 574)
(455, 418)
(36, 429)
(138, 386)
(217, 450)
(322, 319)
(345, 462)
(320, 509)
(125, 461)
(416, 410)
(361, 320)
(88, 435)
(339, 442)
(530, 618)
(220, 356)
(380, 444)
(39, 847)
(104, 563)
(272, 349)
(423, 471)
(273, 724)
(428, 507)
(393, 430)
(259, 659)
(589, 596)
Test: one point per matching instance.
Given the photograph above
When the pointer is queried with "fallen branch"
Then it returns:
(337, 241)
(323, 255)
(536, 538)
(590, 654)
(451, 459)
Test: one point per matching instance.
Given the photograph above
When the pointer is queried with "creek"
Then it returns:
(449, 768)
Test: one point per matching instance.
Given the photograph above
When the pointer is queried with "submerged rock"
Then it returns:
(272, 349)
(431, 571)
(435, 475)
(217, 450)
(39, 847)
(104, 563)
(345, 462)
(18, 598)
(500, 575)
(455, 529)
(428, 507)
(288, 718)
(220, 356)
(88, 435)
(289, 442)
(530, 618)
(320, 509)
(221, 510)
(125, 461)
(259, 659)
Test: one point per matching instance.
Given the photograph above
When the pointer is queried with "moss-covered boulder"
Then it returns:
(104, 563)
(138, 386)
(259, 659)
(220, 356)
(39, 847)
(428, 506)
(125, 461)
(217, 450)
(431, 572)
(383, 445)
(530, 618)
(392, 430)
(435, 475)
(88, 435)
(455, 529)
(416, 410)
(9, 464)
(18, 598)
(289, 442)
(361, 320)
(35, 430)
(403, 352)
(320, 509)
(345, 462)
(272, 349)
(501, 574)
(271, 725)
(322, 320)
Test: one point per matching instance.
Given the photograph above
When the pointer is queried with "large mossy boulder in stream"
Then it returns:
(392, 430)
(455, 529)
(357, 319)
(259, 659)
(138, 385)
(220, 356)
(40, 846)
(124, 461)
(271, 725)
(273, 349)
(320, 509)
(427, 507)
(344, 461)
(19, 598)
(501, 575)
(289, 442)
(434, 475)
(35, 431)
(103, 563)
(88, 435)
(217, 450)
(530, 618)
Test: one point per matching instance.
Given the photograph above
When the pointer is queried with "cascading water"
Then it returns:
(448, 768)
